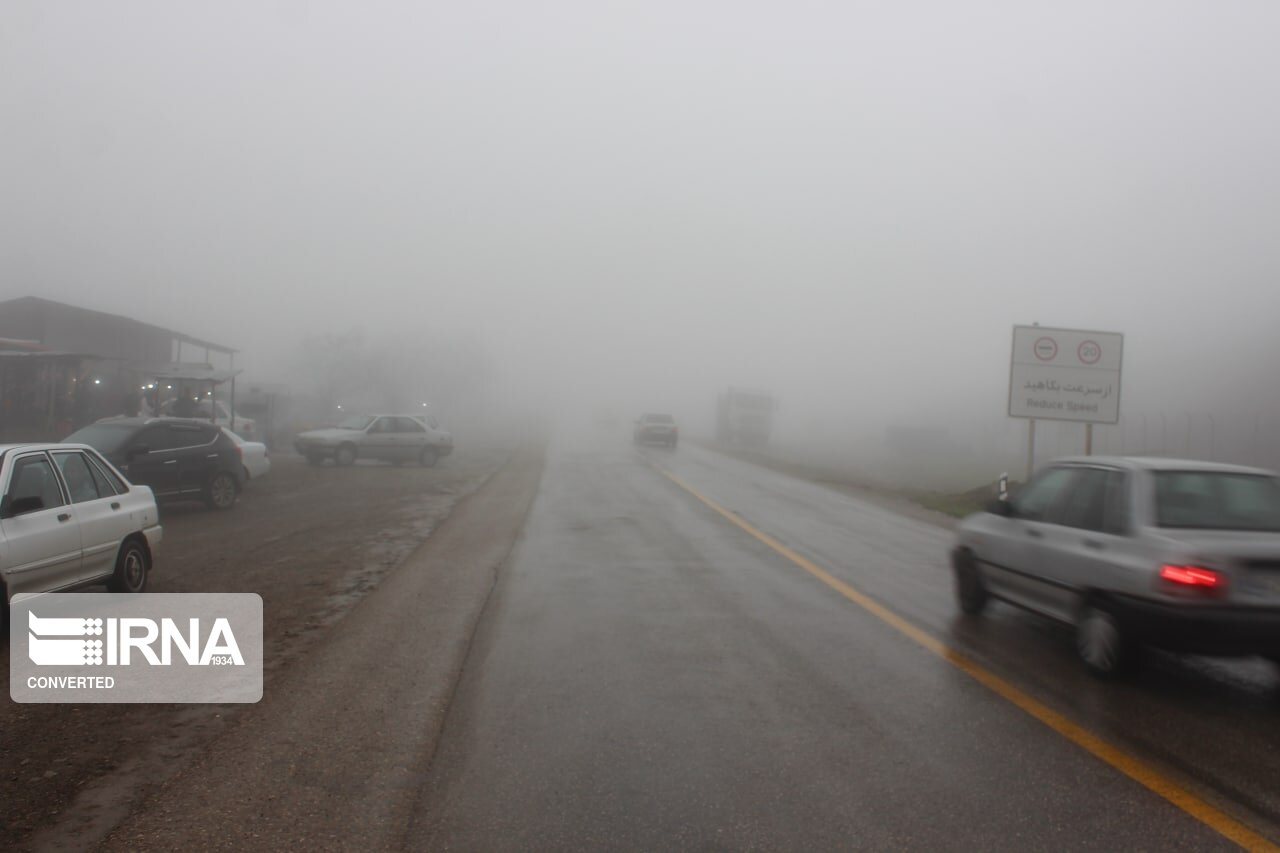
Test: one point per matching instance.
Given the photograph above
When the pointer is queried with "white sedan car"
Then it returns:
(391, 438)
(69, 519)
(253, 455)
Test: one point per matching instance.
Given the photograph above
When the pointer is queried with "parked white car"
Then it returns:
(254, 455)
(69, 519)
(392, 438)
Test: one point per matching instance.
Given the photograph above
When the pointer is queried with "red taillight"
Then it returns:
(1193, 576)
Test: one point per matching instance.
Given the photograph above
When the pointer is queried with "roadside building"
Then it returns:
(62, 366)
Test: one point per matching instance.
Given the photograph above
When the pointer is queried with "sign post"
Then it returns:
(1031, 448)
(1064, 375)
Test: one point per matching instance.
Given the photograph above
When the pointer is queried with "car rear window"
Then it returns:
(1096, 501)
(409, 425)
(191, 435)
(1041, 497)
(1216, 500)
(355, 422)
(79, 478)
(105, 438)
(105, 473)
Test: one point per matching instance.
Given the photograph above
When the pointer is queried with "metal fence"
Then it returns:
(967, 454)
(1243, 438)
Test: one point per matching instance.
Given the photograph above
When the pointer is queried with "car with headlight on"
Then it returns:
(1133, 551)
(69, 519)
(389, 438)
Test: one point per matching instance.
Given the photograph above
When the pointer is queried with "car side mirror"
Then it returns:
(136, 450)
(24, 505)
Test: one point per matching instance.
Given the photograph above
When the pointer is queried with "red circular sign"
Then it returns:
(1089, 352)
(1046, 349)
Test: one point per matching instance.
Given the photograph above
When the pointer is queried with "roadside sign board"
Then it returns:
(1065, 375)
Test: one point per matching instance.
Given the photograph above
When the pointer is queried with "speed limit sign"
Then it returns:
(1065, 374)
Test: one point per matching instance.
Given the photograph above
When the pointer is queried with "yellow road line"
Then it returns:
(1137, 770)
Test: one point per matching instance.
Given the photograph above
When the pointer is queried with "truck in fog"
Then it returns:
(745, 418)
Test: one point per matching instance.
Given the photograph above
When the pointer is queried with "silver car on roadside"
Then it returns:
(390, 438)
(1178, 554)
(69, 519)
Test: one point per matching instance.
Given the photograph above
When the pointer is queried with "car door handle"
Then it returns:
(115, 504)
(212, 456)
(1094, 544)
(1035, 534)
(171, 461)
(63, 516)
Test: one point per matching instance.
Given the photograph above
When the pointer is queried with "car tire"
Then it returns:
(1102, 643)
(222, 491)
(429, 457)
(971, 592)
(133, 566)
(247, 476)
(345, 455)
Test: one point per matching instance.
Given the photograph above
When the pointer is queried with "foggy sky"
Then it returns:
(848, 203)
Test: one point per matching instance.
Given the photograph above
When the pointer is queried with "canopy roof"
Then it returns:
(189, 373)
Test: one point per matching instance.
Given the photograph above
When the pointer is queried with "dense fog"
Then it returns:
(580, 211)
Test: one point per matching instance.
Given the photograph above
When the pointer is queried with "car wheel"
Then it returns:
(221, 492)
(345, 455)
(429, 457)
(247, 477)
(1101, 642)
(971, 592)
(132, 567)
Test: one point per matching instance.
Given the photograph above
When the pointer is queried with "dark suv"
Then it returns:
(176, 457)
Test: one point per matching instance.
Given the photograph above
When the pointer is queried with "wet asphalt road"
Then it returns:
(649, 676)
